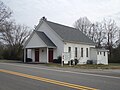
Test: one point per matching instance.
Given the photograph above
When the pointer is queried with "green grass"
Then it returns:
(87, 66)
(9, 61)
(114, 64)
(83, 66)
(53, 65)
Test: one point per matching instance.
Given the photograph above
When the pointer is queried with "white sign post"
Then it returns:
(65, 57)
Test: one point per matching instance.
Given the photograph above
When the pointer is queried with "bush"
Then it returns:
(12, 54)
(115, 56)
(73, 62)
(76, 61)
(28, 60)
(70, 62)
(58, 60)
(89, 61)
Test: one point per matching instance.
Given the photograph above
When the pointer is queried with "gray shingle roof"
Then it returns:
(69, 34)
(45, 39)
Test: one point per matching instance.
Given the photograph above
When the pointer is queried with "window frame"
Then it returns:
(69, 49)
(81, 52)
(87, 52)
(76, 52)
(104, 54)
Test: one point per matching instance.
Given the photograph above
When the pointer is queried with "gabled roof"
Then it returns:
(45, 39)
(69, 34)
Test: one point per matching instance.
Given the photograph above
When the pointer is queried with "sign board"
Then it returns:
(65, 57)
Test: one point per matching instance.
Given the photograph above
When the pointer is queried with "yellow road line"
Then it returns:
(48, 80)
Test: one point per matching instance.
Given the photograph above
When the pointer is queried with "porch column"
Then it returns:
(25, 55)
(33, 55)
(47, 56)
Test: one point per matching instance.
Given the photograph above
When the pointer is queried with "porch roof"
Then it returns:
(45, 39)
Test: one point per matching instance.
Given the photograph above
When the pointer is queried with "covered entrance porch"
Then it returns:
(39, 48)
(40, 55)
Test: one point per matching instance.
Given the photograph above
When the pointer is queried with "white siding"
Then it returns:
(43, 55)
(93, 54)
(29, 54)
(101, 59)
(82, 60)
(35, 42)
(98, 54)
(54, 38)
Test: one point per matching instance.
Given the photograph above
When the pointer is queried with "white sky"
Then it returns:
(66, 12)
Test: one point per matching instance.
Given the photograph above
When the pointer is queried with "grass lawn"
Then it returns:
(83, 66)
(87, 66)
(9, 61)
(110, 66)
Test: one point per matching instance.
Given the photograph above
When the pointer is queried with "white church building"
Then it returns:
(49, 40)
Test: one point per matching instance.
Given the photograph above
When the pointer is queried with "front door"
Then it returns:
(50, 55)
(37, 55)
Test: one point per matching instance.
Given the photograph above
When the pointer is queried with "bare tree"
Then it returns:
(83, 24)
(13, 36)
(111, 30)
(99, 34)
(105, 34)
(93, 30)
(117, 43)
(5, 13)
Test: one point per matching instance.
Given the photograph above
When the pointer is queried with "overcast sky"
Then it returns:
(66, 12)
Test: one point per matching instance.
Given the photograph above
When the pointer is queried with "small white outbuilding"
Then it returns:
(100, 56)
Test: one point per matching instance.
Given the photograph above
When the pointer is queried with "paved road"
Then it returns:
(15, 76)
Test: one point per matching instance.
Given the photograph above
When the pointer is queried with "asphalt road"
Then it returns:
(15, 76)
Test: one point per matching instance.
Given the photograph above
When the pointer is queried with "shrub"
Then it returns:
(28, 60)
(76, 61)
(89, 61)
(58, 60)
(70, 62)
